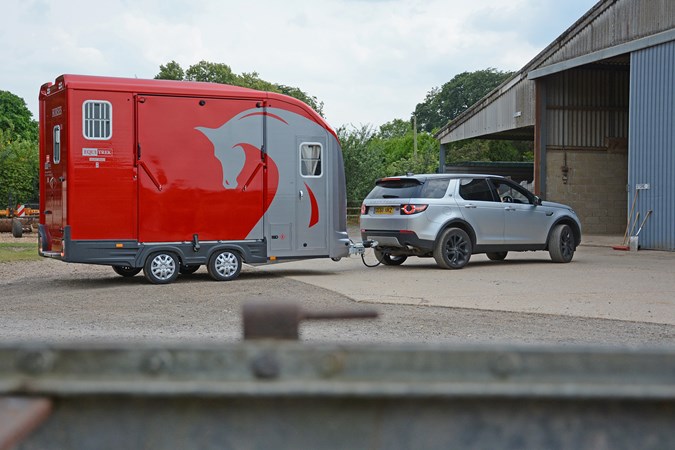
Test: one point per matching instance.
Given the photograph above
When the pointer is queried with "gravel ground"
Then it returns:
(48, 300)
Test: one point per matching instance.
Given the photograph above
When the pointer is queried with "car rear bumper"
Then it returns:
(402, 239)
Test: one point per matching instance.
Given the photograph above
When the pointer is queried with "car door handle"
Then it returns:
(509, 208)
(470, 206)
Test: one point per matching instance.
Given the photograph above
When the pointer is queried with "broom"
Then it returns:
(630, 216)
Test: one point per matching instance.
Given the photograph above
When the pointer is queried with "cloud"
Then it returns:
(369, 61)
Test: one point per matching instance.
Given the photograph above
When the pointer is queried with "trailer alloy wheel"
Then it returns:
(126, 271)
(161, 268)
(225, 265)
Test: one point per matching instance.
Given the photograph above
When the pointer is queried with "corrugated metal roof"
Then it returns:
(607, 24)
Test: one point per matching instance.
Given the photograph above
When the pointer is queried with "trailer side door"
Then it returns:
(200, 169)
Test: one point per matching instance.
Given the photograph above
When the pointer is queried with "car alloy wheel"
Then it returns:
(389, 260)
(561, 244)
(453, 249)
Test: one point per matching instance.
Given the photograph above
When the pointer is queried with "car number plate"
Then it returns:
(384, 210)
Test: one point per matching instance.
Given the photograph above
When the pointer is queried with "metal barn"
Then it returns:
(599, 105)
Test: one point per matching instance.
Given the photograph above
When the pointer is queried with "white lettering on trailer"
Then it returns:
(88, 151)
(97, 159)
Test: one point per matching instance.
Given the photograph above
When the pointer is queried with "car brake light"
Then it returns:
(412, 209)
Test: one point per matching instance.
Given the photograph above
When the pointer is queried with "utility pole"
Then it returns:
(414, 137)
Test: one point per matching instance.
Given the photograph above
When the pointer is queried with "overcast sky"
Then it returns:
(369, 61)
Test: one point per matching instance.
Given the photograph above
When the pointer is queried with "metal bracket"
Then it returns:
(281, 319)
(360, 247)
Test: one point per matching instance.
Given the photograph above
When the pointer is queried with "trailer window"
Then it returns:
(57, 144)
(97, 119)
(310, 159)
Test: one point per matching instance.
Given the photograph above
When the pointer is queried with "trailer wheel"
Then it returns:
(126, 271)
(161, 268)
(224, 265)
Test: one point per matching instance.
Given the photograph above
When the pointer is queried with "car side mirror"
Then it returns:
(537, 201)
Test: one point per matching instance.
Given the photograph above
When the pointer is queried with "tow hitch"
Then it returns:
(359, 248)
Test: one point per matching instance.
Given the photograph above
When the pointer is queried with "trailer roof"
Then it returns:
(175, 87)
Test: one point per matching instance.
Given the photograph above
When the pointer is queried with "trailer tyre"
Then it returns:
(126, 271)
(225, 265)
(161, 268)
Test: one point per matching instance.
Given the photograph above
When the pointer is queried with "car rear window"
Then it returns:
(409, 188)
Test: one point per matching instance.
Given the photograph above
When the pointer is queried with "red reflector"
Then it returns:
(406, 231)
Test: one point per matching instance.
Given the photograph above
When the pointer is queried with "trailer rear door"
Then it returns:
(199, 172)
(55, 163)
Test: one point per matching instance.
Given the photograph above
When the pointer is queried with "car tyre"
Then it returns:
(497, 256)
(127, 271)
(561, 245)
(224, 265)
(453, 249)
(389, 260)
(189, 269)
(161, 268)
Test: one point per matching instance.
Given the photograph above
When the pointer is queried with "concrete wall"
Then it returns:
(595, 188)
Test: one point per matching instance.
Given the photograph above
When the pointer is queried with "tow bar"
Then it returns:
(359, 248)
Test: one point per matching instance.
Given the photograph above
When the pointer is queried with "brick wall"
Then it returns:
(595, 188)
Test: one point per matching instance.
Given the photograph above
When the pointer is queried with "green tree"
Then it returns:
(364, 163)
(302, 96)
(172, 71)
(16, 120)
(370, 154)
(211, 73)
(443, 104)
(396, 141)
(18, 151)
(222, 73)
(18, 170)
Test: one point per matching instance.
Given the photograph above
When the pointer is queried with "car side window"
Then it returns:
(511, 192)
(477, 189)
(435, 188)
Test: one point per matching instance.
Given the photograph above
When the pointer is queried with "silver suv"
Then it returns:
(452, 216)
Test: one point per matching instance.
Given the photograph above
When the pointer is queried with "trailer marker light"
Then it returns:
(273, 258)
(119, 245)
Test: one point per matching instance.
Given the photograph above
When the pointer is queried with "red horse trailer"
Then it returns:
(165, 176)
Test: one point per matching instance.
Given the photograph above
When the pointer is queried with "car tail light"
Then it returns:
(364, 209)
(409, 209)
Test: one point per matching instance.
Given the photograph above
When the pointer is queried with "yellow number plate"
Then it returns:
(384, 210)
